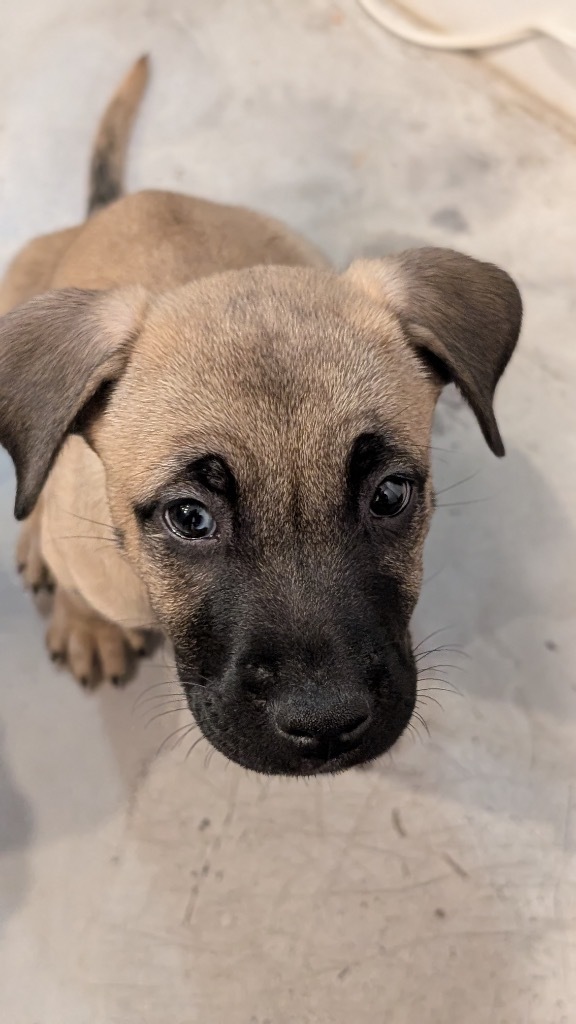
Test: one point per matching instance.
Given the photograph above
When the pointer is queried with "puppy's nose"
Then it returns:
(314, 726)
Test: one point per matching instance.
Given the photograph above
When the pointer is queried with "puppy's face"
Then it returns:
(273, 492)
(267, 461)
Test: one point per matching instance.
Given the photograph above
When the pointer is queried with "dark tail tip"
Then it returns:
(111, 143)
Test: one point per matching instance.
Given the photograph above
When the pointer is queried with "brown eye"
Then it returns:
(391, 497)
(190, 520)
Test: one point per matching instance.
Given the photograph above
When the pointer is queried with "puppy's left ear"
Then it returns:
(461, 315)
(56, 354)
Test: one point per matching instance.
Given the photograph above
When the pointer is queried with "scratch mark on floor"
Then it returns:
(456, 867)
(398, 824)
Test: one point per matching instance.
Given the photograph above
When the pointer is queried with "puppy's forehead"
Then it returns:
(270, 366)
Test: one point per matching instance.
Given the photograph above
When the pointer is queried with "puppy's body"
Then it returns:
(159, 240)
(217, 435)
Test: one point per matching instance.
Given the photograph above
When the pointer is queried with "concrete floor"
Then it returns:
(438, 887)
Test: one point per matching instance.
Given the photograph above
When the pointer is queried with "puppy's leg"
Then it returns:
(91, 647)
(35, 573)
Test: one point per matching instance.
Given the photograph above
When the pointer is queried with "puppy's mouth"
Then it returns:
(245, 729)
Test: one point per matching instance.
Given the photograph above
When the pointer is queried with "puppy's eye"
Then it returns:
(190, 520)
(391, 497)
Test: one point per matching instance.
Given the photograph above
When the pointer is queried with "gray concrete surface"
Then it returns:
(439, 886)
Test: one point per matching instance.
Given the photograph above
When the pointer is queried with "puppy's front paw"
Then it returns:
(92, 648)
(31, 566)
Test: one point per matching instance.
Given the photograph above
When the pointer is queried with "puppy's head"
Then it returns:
(265, 436)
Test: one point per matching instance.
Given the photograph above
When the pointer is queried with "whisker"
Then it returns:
(155, 686)
(105, 545)
(447, 686)
(442, 629)
(423, 722)
(459, 483)
(172, 735)
(428, 579)
(432, 448)
(181, 739)
(426, 696)
(199, 680)
(411, 728)
(462, 504)
(195, 744)
(86, 519)
(448, 648)
(439, 689)
(160, 682)
(165, 682)
(171, 711)
(85, 536)
(424, 666)
(161, 698)
(434, 668)
(165, 663)
(163, 702)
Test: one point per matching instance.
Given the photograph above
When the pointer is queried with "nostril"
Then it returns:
(302, 735)
(354, 729)
(309, 730)
(297, 732)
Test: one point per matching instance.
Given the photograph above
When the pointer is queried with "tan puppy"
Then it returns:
(218, 436)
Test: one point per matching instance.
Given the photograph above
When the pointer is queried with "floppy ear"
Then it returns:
(56, 352)
(463, 316)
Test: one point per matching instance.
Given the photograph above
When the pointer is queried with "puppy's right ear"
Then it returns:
(56, 352)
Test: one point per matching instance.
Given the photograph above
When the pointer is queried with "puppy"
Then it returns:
(218, 436)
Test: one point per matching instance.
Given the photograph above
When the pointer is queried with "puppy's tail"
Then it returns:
(111, 142)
